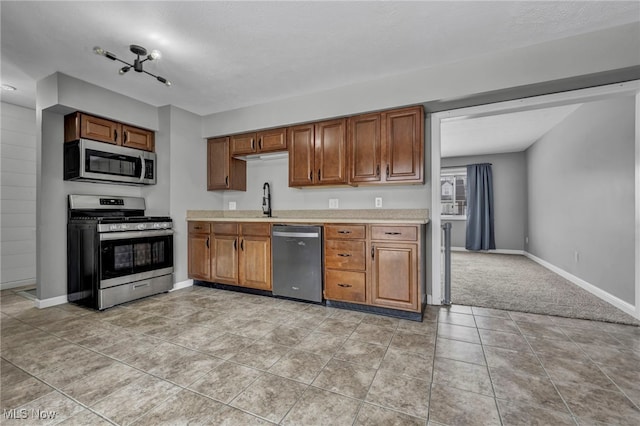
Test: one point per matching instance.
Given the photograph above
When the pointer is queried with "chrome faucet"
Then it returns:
(266, 199)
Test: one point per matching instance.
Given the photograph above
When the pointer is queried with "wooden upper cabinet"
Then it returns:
(331, 152)
(256, 142)
(82, 126)
(79, 125)
(301, 152)
(223, 171)
(135, 137)
(403, 145)
(387, 147)
(272, 140)
(317, 153)
(364, 148)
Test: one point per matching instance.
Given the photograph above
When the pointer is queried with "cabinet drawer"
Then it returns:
(345, 254)
(345, 231)
(199, 227)
(343, 285)
(258, 229)
(224, 228)
(395, 233)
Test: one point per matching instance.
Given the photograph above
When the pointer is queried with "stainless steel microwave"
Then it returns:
(92, 161)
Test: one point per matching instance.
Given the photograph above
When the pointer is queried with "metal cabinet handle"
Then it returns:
(344, 285)
(318, 175)
(137, 286)
(242, 245)
(197, 227)
(378, 170)
(344, 232)
(311, 176)
(260, 143)
(207, 242)
(344, 255)
(253, 144)
(226, 180)
(115, 135)
(235, 244)
(373, 251)
(393, 233)
(124, 134)
(387, 170)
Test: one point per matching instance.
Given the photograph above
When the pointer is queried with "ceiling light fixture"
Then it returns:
(8, 87)
(139, 51)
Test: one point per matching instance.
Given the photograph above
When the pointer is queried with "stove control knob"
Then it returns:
(157, 225)
(141, 226)
(113, 227)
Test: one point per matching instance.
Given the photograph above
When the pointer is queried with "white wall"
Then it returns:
(582, 196)
(188, 164)
(18, 196)
(510, 199)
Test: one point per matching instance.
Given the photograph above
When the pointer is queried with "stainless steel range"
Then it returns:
(115, 254)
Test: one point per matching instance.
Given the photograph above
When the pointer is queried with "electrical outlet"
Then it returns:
(333, 203)
(378, 202)
(232, 205)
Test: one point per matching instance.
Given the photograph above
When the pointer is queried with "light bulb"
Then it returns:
(155, 54)
(163, 80)
(98, 50)
(123, 70)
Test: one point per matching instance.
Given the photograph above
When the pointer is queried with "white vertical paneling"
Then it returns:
(17, 195)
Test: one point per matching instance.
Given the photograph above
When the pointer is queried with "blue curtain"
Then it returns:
(480, 208)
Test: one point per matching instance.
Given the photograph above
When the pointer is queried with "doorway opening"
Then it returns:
(545, 193)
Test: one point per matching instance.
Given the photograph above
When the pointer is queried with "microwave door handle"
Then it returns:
(142, 167)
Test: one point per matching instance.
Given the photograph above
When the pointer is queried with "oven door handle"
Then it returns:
(109, 236)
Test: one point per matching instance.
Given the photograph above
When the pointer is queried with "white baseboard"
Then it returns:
(14, 284)
(53, 301)
(596, 291)
(182, 284)
(496, 251)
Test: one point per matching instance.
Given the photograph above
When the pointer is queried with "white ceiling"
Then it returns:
(226, 55)
(497, 134)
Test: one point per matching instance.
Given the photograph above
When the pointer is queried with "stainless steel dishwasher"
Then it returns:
(296, 253)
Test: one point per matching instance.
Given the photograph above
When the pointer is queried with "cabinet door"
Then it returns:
(224, 172)
(394, 275)
(255, 262)
(403, 145)
(272, 140)
(244, 144)
(100, 129)
(331, 152)
(225, 258)
(300, 141)
(364, 148)
(199, 256)
(217, 163)
(135, 137)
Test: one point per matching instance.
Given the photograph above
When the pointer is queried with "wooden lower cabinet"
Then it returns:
(199, 244)
(255, 262)
(225, 258)
(347, 286)
(394, 275)
(231, 253)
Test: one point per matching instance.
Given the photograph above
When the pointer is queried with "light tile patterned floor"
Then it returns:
(206, 356)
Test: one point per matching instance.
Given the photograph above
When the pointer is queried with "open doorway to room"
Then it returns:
(564, 204)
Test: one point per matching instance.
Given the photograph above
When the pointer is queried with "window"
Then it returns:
(453, 192)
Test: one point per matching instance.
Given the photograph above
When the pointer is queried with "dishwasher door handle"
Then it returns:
(296, 234)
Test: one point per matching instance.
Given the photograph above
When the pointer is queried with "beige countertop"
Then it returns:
(400, 216)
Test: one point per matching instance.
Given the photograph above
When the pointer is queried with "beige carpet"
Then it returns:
(517, 283)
